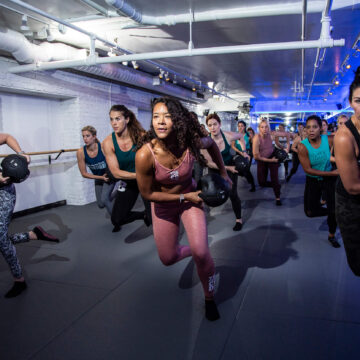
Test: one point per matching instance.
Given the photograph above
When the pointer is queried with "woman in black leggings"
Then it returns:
(314, 155)
(119, 150)
(347, 197)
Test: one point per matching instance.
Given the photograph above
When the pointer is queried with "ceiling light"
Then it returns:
(330, 93)
(161, 74)
(336, 82)
(125, 63)
(348, 66)
(325, 99)
(24, 24)
(194, 88)
(49, 35)
(111, 53)
(210, 84)
(135, 64)
(167, 77)
(174, 80)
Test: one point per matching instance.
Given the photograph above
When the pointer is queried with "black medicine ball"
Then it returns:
(241, 164)
(280, 154)
(15, 167)
(214, 190)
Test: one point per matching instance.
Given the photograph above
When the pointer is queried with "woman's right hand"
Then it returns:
(4, 180)
(105, 178)
(193, 197)
(231, 169)
(274, 160)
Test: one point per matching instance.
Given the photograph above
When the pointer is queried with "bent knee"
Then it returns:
(168, 260)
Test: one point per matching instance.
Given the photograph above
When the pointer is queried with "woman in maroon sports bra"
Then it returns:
(164, 174)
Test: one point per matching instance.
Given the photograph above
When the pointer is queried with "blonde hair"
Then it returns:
(263, 120)
(91, 130)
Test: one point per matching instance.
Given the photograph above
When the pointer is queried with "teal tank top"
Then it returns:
(238, 145)
(97, 165)
(319, 158)
(126, 159)
(226, 155)
(247, 141)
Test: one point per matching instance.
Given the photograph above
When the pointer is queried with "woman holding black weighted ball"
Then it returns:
(223, 140)
(7, 204)
(314, 155)
(164, 166)
(263, 150)
(242, 148)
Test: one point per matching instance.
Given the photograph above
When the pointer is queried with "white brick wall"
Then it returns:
(80, 101)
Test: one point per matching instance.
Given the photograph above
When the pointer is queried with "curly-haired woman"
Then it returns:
(164, 166)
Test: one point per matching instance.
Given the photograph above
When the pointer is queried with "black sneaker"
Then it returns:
(238, 226)
(334, 242)
(278, 203)
(17, 289)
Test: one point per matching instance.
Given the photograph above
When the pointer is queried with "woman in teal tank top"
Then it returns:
(314, 155)
(223, 140)
(242, 147)
(120, 149)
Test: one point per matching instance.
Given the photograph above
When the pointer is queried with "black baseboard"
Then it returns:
(38, 208)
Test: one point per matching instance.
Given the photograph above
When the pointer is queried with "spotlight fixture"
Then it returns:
(24, 24)
(167, 77)
(49, 35)
(194, 88)
(161, 75)
(135, 64)
(336, 82)
(348, 66)
(111, 53)
(330, 93)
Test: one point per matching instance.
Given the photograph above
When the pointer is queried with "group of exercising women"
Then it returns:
(158, 165)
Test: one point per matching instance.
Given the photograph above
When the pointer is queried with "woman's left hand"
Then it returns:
(225, 176)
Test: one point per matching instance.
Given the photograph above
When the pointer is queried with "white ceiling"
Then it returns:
(266, 77)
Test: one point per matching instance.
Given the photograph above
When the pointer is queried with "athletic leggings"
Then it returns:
(348, 218)
(103, 192)
(262, 172)
(124, 202)
(234, 196)
(314, 188)
(7, 248)
(295, 163)
(166, 220)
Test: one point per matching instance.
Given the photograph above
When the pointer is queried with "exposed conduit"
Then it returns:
(221, 14)
(295, 45)
(26, 52)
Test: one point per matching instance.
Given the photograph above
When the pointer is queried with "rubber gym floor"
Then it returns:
(283, 292)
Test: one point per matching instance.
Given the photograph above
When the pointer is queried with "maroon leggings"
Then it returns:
(166, 220)
(262, 173)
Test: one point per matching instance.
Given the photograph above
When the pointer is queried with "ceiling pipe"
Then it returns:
(295, 45)
(222, 14)
(25, 52)
(325, 34)
(99, 8)
(303, 36)
(91, 61)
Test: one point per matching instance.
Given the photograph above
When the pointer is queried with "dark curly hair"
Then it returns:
(186, 127)
(136, 130)
(316, 118)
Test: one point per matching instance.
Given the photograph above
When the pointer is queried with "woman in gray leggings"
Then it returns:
(91, 155)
